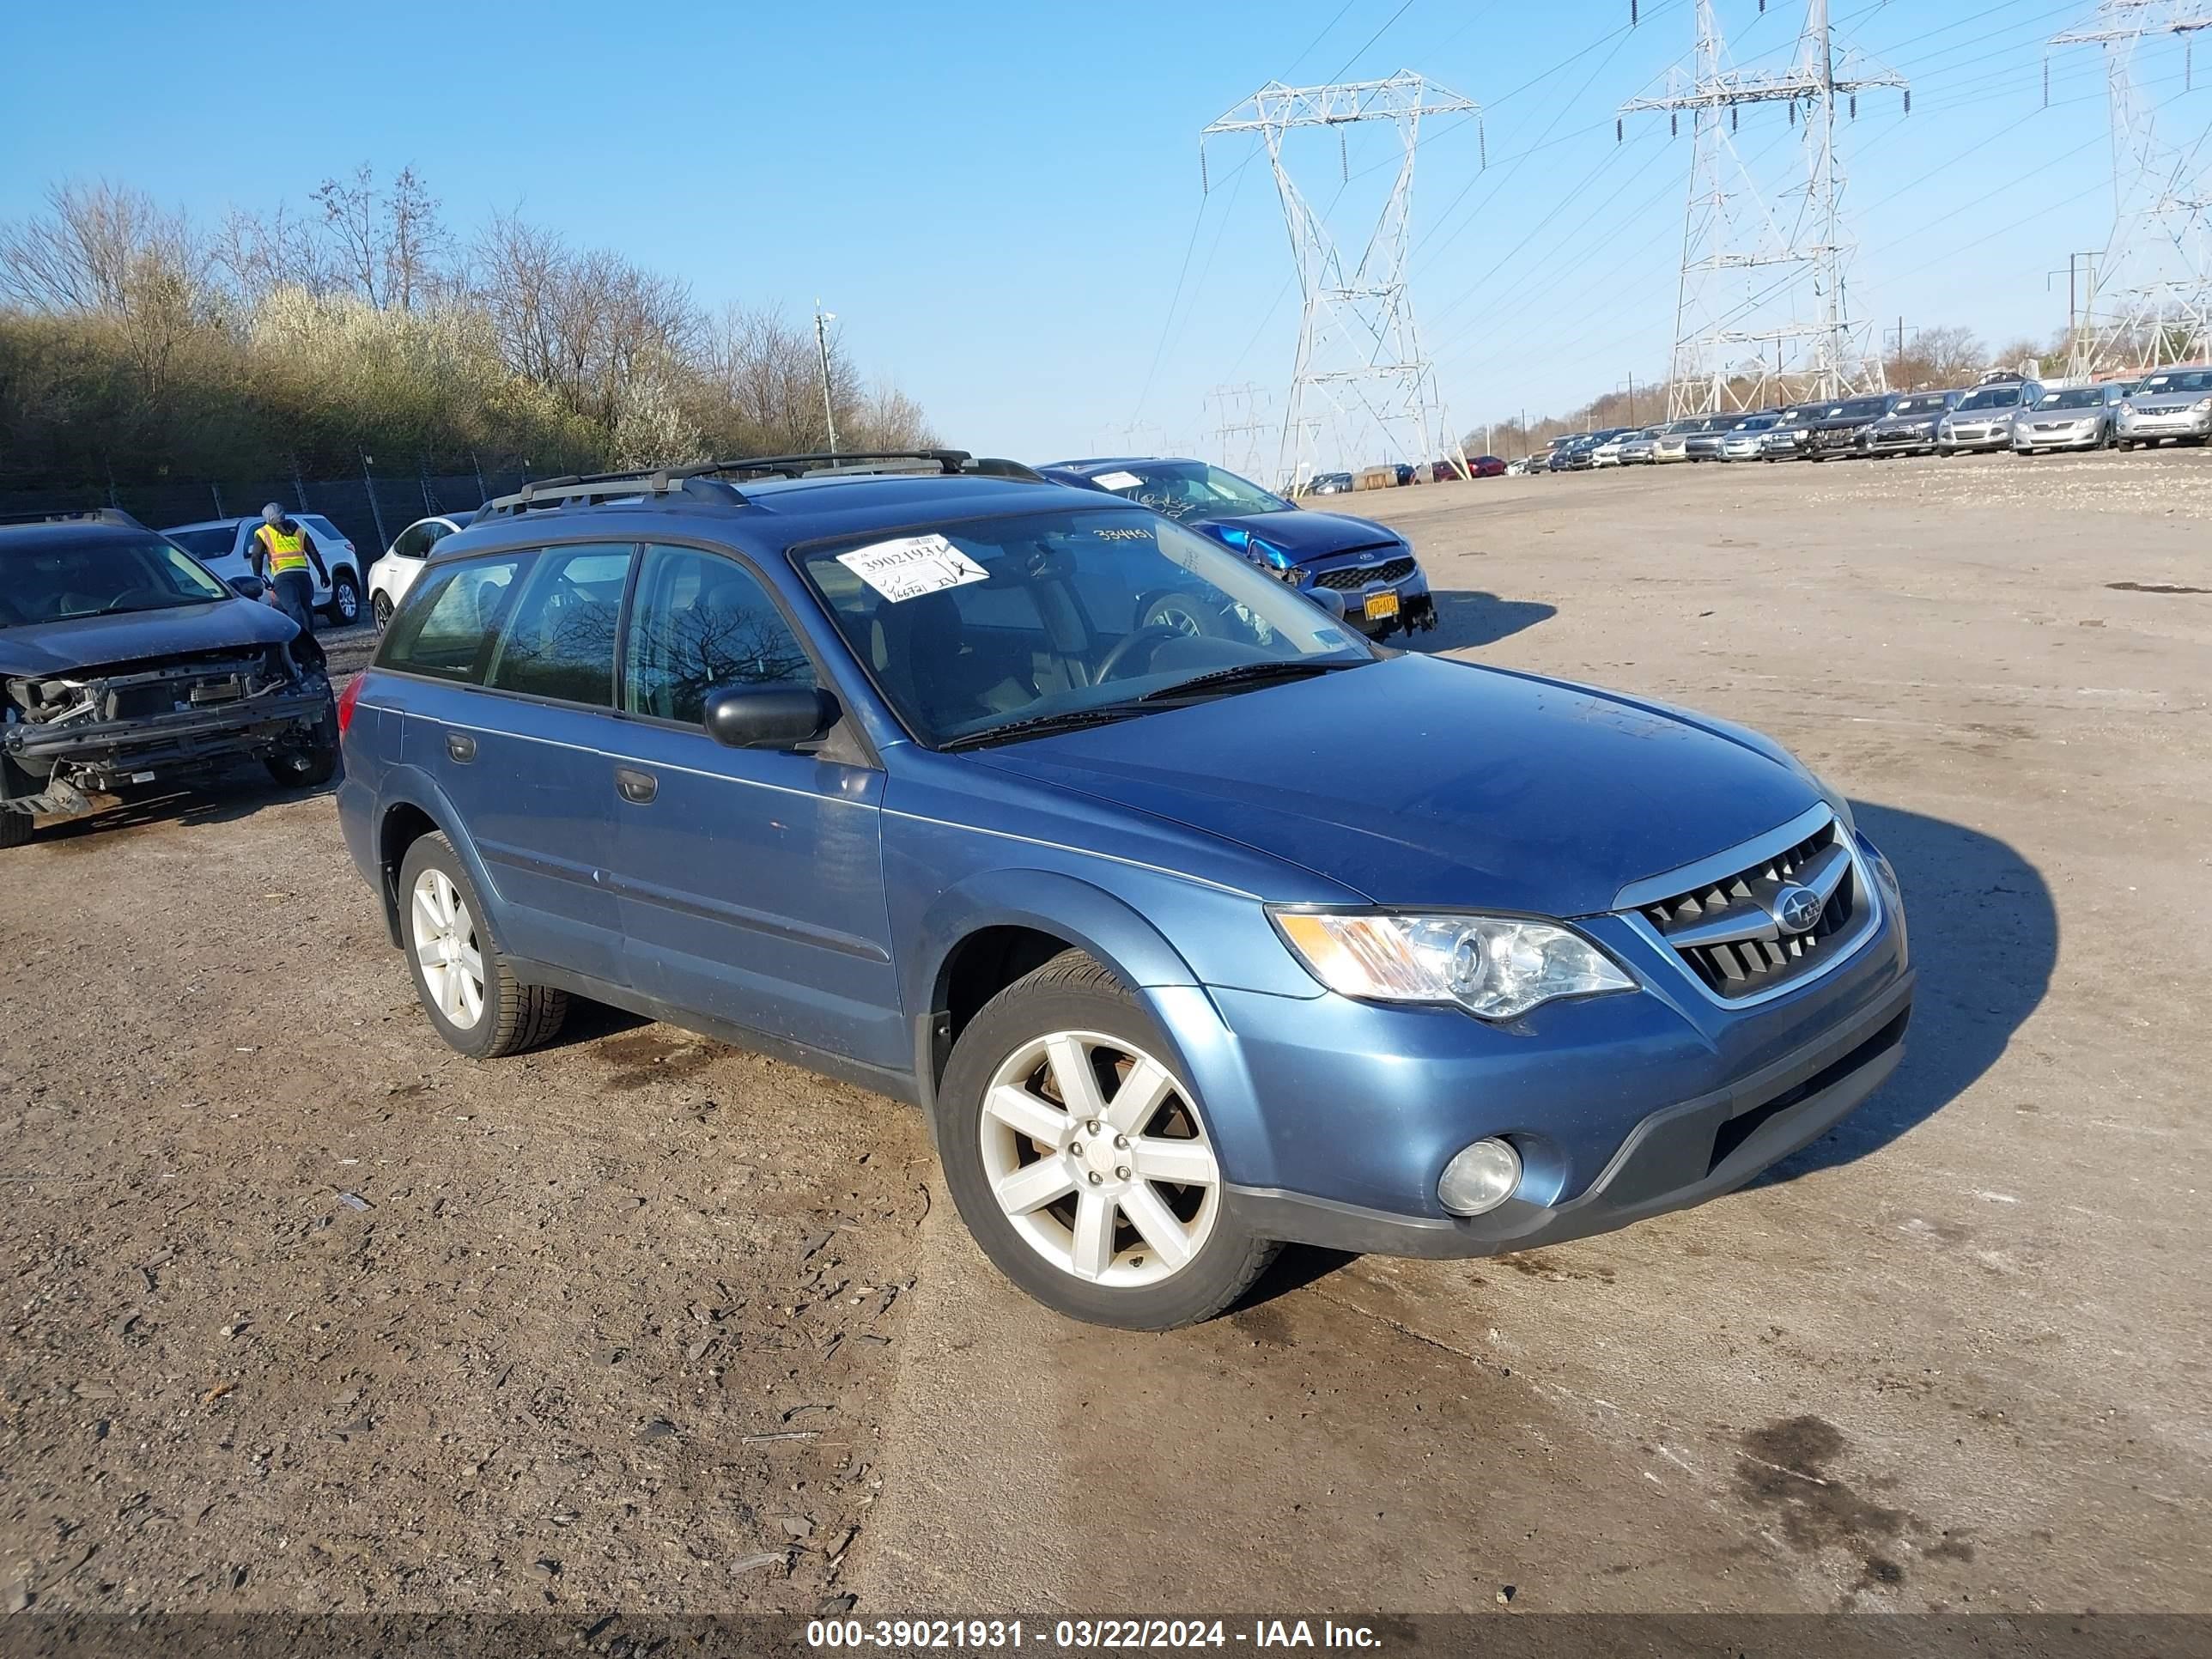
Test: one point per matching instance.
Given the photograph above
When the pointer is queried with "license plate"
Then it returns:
(142, 777)
(1381, 605)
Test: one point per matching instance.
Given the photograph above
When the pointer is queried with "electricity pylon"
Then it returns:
(2150, 300)
(1238, 425)
(1721, 335)
(1356, 337)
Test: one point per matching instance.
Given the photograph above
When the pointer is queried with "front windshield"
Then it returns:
(1918, 405)
(2087, 397)
(2198, 379)
(54, 581)
(1192, 490)
(1991, 397)
(1757, 423)
(997, 622)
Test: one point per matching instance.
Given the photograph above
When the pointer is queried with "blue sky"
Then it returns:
(1002, 202)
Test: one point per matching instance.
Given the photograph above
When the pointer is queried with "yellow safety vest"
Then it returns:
(285, 552)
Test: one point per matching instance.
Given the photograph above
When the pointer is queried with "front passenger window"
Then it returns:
(702, 624)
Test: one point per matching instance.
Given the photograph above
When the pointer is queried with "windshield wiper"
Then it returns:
(1247, 674)
(1038, 726)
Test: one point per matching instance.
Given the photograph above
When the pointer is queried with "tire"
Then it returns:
(315, 763)
(311, 768)
(14, 828)
(344, 608)
(379, 611)
(1070, 1013)
(509, 1016)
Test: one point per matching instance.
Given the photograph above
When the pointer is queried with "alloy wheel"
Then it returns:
(447, 949)
(1096, 1156)
(345, 599)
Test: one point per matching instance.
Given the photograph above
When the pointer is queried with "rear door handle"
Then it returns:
(460, 746)
(638, 788)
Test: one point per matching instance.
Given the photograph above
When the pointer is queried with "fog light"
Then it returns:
(1480, 1178)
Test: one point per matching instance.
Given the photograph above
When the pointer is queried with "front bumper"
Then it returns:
(1416, 610)
(2027, 438)
(1622, 1107)
(1990, 434)
(1899, 441)
(73, 760)
(2148, 428)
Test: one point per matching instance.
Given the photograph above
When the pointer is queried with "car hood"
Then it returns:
(2165, 402)
(83, 642)
(1302, 534)
(1422, 781)
(1903, 422)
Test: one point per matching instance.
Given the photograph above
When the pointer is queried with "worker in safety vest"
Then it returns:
(283, 545)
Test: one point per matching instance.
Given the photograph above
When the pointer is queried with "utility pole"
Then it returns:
(2158, 262)
(1356, 333)
(822, 321)
(1729, 227)
(1631, 398)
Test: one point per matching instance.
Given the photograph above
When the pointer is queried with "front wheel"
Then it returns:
(379, 611)
(1081, 1161)
(14, 828)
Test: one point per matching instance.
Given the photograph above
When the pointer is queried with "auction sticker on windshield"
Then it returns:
(913, 566)
(1117, 481)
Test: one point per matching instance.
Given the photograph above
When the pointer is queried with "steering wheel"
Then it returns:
(1158, 634)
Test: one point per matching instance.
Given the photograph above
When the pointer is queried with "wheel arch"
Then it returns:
(984, 933)
(409, 807)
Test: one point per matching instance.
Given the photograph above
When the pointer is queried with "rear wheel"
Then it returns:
(460, 976)
(379, 611)
(345, 598)
(1081, 1163)
(14, 828)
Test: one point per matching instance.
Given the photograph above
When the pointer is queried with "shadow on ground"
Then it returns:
(1985, 938)
(1465, 620)
(235, 793)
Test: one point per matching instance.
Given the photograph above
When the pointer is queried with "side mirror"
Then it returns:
(770, 716)
(248, 587)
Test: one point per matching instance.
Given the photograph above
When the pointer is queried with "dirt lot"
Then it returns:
(303, 1314)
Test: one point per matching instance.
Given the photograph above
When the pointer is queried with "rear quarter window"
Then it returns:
(449, 626)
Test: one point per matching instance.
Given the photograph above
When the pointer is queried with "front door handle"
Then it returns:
(638, 788)
(460, 746)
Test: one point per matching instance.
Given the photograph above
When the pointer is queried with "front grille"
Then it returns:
(1390, 570)
(1746, 967)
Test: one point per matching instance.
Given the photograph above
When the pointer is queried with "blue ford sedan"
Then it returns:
(889, 775)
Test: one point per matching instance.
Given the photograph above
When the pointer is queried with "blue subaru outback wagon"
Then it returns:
(1189, 945)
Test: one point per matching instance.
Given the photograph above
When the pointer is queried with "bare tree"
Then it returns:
(387, 246)
(98, 248)
(260, 255)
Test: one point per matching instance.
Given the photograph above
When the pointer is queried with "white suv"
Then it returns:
(223, 544)
(395, 573)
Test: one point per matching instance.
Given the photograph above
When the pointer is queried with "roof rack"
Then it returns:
(114, 515)
(706, 479)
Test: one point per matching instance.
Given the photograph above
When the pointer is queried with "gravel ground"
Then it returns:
(301, 1313)
(304, 1312)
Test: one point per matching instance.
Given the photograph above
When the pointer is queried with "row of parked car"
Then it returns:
(2005, 412)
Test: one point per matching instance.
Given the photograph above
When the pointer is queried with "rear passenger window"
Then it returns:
(558, 638)
(701, 624)
(450, 623)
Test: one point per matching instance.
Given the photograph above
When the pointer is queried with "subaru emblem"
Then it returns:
(1796, 909)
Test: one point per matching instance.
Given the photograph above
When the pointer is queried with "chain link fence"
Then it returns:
(370, 509)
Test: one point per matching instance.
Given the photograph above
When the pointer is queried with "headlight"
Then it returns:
(1493, 966)
(2201, 406)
